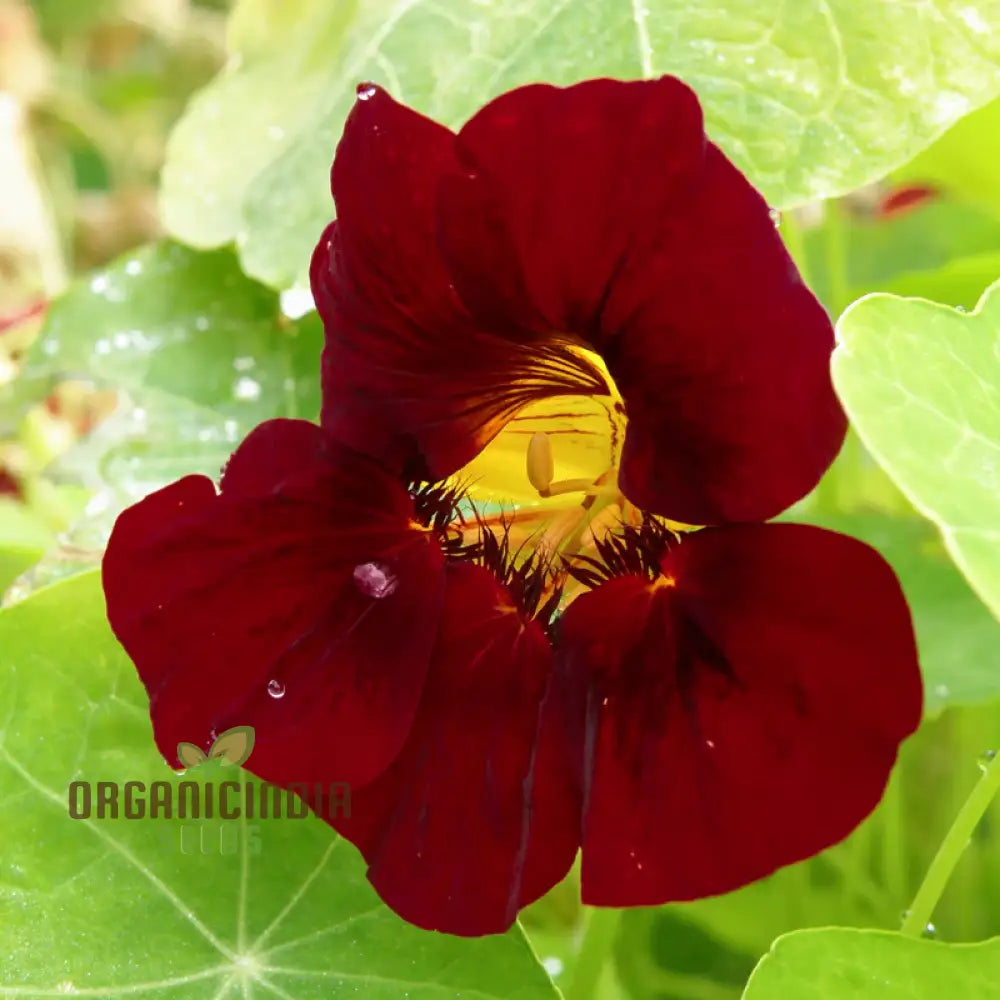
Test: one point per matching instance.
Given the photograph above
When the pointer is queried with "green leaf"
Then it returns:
(811, 99)
(921, 383)
(965, 161)
(905, 250)
(956, 635)
(841, 964)
(23, 539)
(200, 353)
(182, 909)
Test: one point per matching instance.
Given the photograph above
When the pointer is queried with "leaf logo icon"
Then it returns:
(232, 748)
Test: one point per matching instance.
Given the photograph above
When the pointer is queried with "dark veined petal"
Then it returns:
(558, 191)
(408, 376)
(742, 713)
(477, 817)
(601, 211)
(299, 600)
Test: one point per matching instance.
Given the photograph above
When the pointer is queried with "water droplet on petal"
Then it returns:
(374, 579)
(775, 217)
(275, 688)
(366, 91)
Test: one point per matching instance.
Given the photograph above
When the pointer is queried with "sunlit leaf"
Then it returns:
(811, 98)
(921, 383)
(23, 539)
(841, 964)
(965, 161)
(182, 909)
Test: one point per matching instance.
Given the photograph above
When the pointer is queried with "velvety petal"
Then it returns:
(726, 379)
(742, 713)
(299, 600)
(560, 190)
(408, 376)
(601, 211)
(477, 817)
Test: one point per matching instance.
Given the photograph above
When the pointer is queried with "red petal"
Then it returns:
(217, 596)
(732, 413)
(559, 191)
(600, 210)
(408, 376)
(477, 816)
(742, 719)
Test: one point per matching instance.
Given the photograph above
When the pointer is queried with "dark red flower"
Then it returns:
(717, 705)
(691, 708)
(742, 697)
(467, 273)
(311, 599)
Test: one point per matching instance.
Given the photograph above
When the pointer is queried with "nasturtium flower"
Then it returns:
(629, 664)
(470, 274)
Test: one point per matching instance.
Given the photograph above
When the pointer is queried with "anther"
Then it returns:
(540, 464)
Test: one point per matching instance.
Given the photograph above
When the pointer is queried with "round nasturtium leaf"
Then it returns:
(839, 963)
(812, 98)
(921, 383)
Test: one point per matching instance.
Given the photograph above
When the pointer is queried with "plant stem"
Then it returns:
(951, 850)
(598, 941)
(835, 232)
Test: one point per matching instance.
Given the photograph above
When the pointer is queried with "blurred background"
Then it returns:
(89, 93)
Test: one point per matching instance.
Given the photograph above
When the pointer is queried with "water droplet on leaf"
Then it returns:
(374, 579)
(986, 758)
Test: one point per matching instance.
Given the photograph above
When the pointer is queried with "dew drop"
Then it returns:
(961, 309)
(374, 579)
(366, 91)
(986, 758)
(246, 388)
(275, 688)
(930, 930)
(775, 217)
(552, 965)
